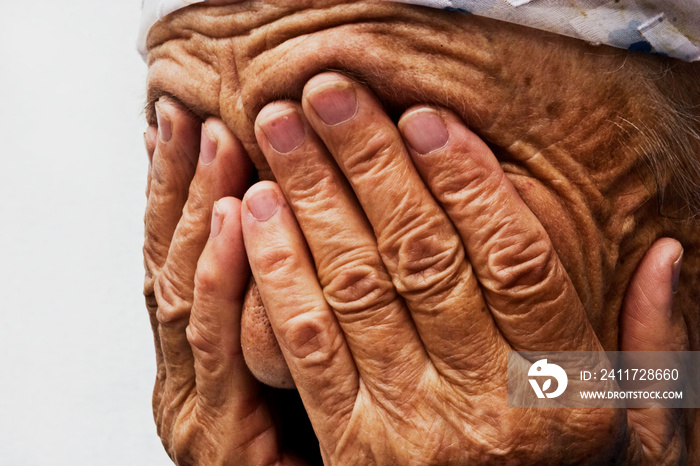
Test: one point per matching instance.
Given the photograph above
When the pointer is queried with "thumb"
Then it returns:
(648, 323)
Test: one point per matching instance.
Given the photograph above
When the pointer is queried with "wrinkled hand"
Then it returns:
(208, 408)
(423, 269)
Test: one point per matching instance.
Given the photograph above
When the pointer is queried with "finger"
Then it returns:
(223, 170)
(172, 149)
(525, 285)
(214, 325)
(225, 387)
(172, 168)
(422, 251)
(349, 267)
(648, 323)
(150, 139)
(308, 333)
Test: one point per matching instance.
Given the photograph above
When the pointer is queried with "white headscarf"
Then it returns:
(666, 27)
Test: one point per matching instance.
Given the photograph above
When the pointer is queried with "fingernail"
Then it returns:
(677, 272)
(284, 130)
(424, 130)
(334, 102)
(208, 146)
(217, 219)
(164, 126)
(263, 204)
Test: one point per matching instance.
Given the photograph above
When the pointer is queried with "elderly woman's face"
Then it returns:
(556, 111)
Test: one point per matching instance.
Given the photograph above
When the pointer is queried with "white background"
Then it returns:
(76, 352)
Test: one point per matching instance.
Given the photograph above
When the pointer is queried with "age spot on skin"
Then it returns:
(555, 109)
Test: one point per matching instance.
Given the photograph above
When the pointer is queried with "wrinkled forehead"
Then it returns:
(665, 27)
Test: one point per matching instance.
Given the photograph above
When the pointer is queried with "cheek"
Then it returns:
(565, 225)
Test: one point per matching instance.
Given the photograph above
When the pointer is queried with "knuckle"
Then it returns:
(307, 337)
(160, 197)
(368, 156)
(517, 263)
(192, 231)
(169, 182)
(178, 426)
(172, 302)
(314, 187)
(357, 288)
(428, 262)
(154, 254)
(150, 295)
(273, 262)
(206, 344)
(201, 338)
(197, 208)
(150, 271)
(206, 280)
(183, 444)
(158, 173)
(474, 186)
